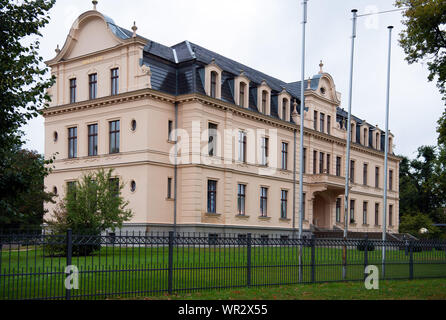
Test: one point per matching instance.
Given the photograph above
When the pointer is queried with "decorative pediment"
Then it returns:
(327, 88)
(91, 32)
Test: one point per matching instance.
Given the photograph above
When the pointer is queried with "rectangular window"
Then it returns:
(242, 94)
(212, 145)
(170, 136)
(338, 210)
(328, 124)
(265, 151)
(283, 204)
(263, 202)
(352, 171)
(322, 124)
(390, 215)
(352, 211)
(314, 162)
(376, 214)
(328, 164)
(364, 212)
(169, 188)
(212, 196)
(376, 177)
(390, 179)
(71, 187)
(305, 161)
(284, 156)
(338, 166)
(114, 136)
(315, 120)
(213, 84)
(93, 85)
(93, 140)
(114, 81)
(242, 146)
(365, 173)
(303, 206)
(73, 90)
(241, 197)
(284, 109)
(321, 162)
(72, 142)
(114, 186)
(264, 96)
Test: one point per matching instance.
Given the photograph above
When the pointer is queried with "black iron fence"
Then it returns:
(45, 266)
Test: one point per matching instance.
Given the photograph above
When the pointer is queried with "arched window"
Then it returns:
(365, 137)
(284, 109)
(264, 97)
(242, 94)
(213, 84)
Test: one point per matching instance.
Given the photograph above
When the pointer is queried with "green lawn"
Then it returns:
(144, 271)
(430, 289)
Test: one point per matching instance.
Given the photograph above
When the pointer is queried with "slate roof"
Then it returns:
(171, 81)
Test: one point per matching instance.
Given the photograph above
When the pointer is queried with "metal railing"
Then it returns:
(34, 266)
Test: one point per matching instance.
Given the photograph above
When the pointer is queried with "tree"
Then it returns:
(412, 224)
(425, 36)
(23, 86)
(24, 193)
(92, 205)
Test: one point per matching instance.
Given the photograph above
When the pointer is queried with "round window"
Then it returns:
(133, 125)
(323, 90)
(133, 186)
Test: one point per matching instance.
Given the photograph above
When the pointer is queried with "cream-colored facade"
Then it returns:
(146, 160)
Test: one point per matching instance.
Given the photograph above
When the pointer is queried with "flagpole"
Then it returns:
(386, 151)
(347, 158)
(302, 110)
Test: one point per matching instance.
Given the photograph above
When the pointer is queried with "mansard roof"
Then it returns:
(179, 70)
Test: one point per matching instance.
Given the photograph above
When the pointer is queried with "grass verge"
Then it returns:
(421, 289)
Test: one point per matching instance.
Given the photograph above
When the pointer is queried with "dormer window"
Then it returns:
(264, 97)
(377, 141)
(241, 98)
(365, 137)
(284, 105)
(284, 109)
(213, 80)
(213, 84)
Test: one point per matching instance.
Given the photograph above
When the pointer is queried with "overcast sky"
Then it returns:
(266, 35)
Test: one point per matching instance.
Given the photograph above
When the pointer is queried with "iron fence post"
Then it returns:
(410, 259)
(366, 254)
(313, 254)
(69, 257)
(170, 272)
(248, 260)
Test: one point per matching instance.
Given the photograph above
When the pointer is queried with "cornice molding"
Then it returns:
(148, 93)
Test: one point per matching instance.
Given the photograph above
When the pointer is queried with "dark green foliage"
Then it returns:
(23, 84)
(412, 223)
(93, 206)
(424, 38)
(23, 193)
